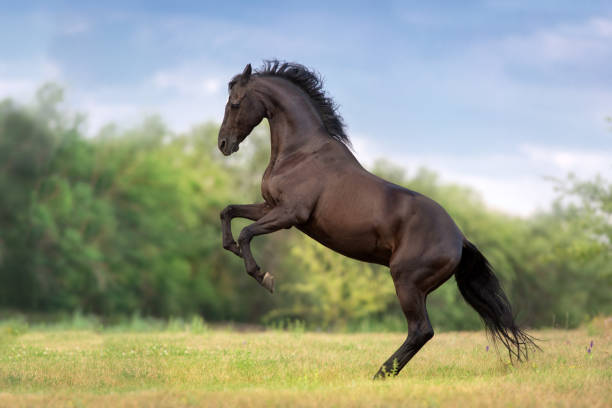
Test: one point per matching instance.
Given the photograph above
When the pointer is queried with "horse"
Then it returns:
(314, 183)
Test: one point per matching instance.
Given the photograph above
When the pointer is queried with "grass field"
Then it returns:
(108, 368)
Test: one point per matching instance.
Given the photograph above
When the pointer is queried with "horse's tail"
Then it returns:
(481, 289)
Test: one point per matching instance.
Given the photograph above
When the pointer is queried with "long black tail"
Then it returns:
(481, 289)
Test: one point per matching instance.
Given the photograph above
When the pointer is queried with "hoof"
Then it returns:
(268, 282)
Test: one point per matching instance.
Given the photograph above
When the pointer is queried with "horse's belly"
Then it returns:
(361, 244)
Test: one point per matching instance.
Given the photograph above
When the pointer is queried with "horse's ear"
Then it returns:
(246, 74)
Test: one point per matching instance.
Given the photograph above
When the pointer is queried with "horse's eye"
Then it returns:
(235, 105)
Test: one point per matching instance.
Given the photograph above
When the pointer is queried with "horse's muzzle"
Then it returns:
(226, 147)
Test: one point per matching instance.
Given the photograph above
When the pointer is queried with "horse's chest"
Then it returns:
(270, 189)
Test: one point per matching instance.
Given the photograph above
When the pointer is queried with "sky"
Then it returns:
(498, 95)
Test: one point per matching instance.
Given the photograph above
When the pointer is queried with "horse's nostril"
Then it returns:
(222, 145)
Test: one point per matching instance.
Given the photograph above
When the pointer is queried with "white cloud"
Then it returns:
(100, 112)
(602, 26)
(211, 85)
(50, 70)
(582, 163)
(178, 110)
(18, 88)
(183, 96)
(20, 79)
(75, 26)
(186, 82)
(566, 42)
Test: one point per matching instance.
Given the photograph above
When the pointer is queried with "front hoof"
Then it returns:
(268, 282)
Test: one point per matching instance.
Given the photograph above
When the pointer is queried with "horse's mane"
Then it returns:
(311, 83)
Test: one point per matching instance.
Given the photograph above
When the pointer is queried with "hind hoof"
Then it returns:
(379, 376)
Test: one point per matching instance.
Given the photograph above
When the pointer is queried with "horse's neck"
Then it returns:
(287, 136)
(294, 122)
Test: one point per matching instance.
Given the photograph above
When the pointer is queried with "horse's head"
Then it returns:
(243, 112)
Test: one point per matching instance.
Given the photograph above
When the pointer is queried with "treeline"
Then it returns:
(128, 222)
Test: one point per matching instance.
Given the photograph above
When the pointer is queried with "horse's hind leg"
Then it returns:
(412, 301)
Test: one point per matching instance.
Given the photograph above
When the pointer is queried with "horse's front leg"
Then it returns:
(249, 211)
(276, 219)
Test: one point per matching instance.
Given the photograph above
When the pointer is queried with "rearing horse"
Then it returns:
(314, 183)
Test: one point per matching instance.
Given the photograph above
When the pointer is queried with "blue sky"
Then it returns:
(494, 94)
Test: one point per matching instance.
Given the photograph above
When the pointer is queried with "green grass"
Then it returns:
(192, 365)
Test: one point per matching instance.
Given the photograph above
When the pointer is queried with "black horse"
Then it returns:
(314, 183)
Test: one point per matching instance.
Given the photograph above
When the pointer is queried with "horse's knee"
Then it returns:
(426, 334)
(226, 212)
(420, 335)
(245, 236)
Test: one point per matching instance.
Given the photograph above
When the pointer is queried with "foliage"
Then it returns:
(126, 222)
(336, 291)
(122, 222)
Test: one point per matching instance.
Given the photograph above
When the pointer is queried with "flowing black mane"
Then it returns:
(311, 83)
